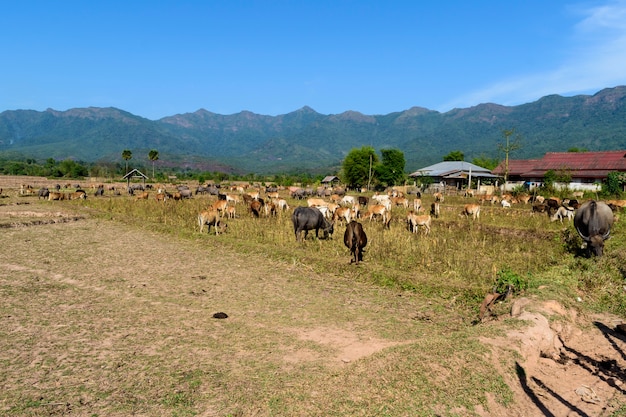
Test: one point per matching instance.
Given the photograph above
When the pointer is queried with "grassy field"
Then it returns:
(108, 308)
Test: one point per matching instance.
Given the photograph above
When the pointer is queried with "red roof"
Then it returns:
(516, 166)
(580, 164)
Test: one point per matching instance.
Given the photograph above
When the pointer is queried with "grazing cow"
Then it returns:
(415, 220)
(523, 198)
(234, 198)
(185, 193)
(347, 200)
(377, 210)
(310, 218)
(282, 204)
(540, 208)
(505, 204)
(355, 239)
(401, 201)
(272, 195)
(593, 221)
(471, 210)
(42, 193)
(417, 204)
(255, 207)
(143, 196)
(211, 218)
(343, 213)
(56, 196)
(435, 210)
(78, 194)
(561, 213)
(230, 212)
(99, 191)
(160, 197)
(316, 202)
(219, 206)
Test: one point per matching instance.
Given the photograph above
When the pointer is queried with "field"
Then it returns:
(108, 309)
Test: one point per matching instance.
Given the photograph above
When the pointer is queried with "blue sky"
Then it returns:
(160, 58)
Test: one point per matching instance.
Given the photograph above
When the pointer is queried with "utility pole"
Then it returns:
(507, 148)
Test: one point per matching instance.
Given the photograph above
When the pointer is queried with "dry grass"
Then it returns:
(110, 313)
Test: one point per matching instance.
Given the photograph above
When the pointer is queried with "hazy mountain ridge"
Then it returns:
(307, 140)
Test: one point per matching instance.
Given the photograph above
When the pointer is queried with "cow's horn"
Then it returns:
(607, 234)
(586, 238)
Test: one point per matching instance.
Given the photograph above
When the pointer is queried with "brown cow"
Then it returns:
(317, 202)
(78, 194)
(160, 197)
(355, 239)
(211, 218)
(471, 210)
(143, 196)
(56, 196)
(255, 208)
(220, 206)
(415, 220)
(377, 210)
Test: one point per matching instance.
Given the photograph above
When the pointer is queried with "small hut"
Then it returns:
(135, 174)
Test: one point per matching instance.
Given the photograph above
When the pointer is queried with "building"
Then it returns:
(455, 174)
(586, 170)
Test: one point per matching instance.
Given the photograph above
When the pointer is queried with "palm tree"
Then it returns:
(126, 156)
(153, 155)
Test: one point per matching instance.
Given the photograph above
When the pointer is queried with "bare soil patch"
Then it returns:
(100, 318)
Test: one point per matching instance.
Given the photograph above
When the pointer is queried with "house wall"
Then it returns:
(574, 185)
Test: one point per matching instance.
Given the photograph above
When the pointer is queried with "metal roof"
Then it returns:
(580, 164)
(448, 168)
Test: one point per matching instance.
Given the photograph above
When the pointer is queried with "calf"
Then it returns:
(562, 212)
(415, 220)
(355, 239)
(211, 218)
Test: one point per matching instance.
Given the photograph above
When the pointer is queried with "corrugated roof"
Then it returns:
(444, 168)
(609, 160)
(516, 166)
(581, 164)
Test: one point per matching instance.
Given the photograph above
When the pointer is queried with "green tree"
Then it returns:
(614, 183)
(127, 155)
(391, 169)
(153, 155)
(486, 162)
(454, 156)
(358, 166)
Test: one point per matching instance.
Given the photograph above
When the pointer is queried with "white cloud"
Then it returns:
(597, 60)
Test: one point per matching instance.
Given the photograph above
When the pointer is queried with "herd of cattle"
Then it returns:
(327, 207)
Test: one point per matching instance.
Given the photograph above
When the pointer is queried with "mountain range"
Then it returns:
(307, 141)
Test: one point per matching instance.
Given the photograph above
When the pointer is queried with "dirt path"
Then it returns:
(101, 318)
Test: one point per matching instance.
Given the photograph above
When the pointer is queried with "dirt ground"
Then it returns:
(82, 297)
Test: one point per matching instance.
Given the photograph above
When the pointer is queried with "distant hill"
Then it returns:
(305, 140)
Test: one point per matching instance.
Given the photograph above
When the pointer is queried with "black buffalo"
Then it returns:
(43, 193)
(310, 218)
(355, 239)
(593, 221)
